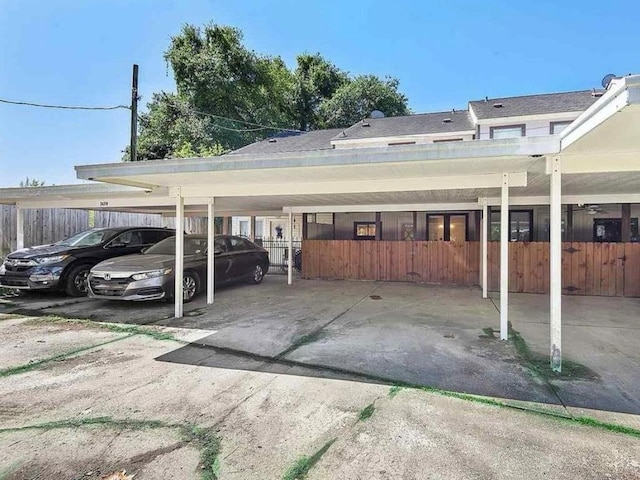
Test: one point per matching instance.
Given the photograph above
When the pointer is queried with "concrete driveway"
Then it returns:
(400, 333)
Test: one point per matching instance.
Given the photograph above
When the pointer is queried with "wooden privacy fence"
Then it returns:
(451, 263)
(49, 225)
(607, 269)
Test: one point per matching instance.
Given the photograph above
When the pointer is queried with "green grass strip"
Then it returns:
(299, 470)
(6, 372)
(394, 390)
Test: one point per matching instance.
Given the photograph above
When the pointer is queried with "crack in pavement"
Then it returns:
(312, 335)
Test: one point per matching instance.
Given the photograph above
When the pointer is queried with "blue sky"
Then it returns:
(443, 52)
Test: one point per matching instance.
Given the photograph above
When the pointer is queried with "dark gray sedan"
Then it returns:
(149, 276)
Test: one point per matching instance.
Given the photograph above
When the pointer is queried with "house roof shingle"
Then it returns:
(533, 104)
(292, 141)
(419, 124)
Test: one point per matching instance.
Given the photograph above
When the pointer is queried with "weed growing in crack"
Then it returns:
(210, 449)
(299, 470)
(393, 391)
(366, 412)
(205, 438)
(6, 372)
(111, 327)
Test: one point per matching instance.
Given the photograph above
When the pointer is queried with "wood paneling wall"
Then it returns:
(607, 269)
(447, 263)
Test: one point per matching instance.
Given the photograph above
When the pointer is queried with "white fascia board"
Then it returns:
(624, 92)
(401, 207)
(14, 195)
(106, 202)
(450, 182)
(448, 151)
(400, 138)
(567, 199)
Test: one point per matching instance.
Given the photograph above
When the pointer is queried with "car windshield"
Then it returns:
(167, 246)
(89, 238)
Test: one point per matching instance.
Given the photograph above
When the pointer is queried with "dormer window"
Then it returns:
(508, 131)
(497, 105)
(446, 120)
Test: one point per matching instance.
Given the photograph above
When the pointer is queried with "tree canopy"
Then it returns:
(228, 96)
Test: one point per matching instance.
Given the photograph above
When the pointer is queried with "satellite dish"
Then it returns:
(377, 114)
(606, 80)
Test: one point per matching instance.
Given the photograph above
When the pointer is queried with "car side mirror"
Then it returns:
(144, 249)
(217, 251)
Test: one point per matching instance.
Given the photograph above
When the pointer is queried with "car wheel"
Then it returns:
(257, 275)
(190, 286)
(76, 283)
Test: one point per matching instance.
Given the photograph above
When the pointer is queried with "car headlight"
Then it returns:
(50, 260)
(151, 274)
(3, 270)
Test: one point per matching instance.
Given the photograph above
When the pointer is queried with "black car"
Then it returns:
(65, 265)
(150, 276)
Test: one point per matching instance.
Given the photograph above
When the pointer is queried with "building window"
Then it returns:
(243, 226)
(395, 144)
(507, 131)
(521, 226)
(364, 231)
(407, 231)
(443, 140)
(447, 227)
(557, 127)
(610, 230)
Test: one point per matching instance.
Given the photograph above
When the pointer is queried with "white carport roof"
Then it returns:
(601, 151)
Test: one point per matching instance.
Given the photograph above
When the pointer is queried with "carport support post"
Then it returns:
(504, 258)
(555, 268)
(19, 228)
(211, 259)
(290, 248)
(179, 267)
(483, 256)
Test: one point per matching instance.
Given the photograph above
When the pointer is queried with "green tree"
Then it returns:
(356, 99)
(316, 79)
(31, 182)
(228, 96)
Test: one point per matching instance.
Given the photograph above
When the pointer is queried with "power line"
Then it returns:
(259, 126)
(63, 107)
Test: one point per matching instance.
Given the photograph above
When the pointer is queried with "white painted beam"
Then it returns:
(555, 267)
(567, 199)
(608, 161)
(179, 265)
(408, 184)
(399, 207)
(484, 257)
(211, 258)
(504, 259)
(290, 247)
(19, 228)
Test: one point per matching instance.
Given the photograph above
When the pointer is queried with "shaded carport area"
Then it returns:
(442, 337)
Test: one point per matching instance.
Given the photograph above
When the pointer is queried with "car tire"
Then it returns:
(190, 285)
(74, 280)
(257, 275)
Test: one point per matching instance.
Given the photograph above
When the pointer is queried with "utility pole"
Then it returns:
(133, 149)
